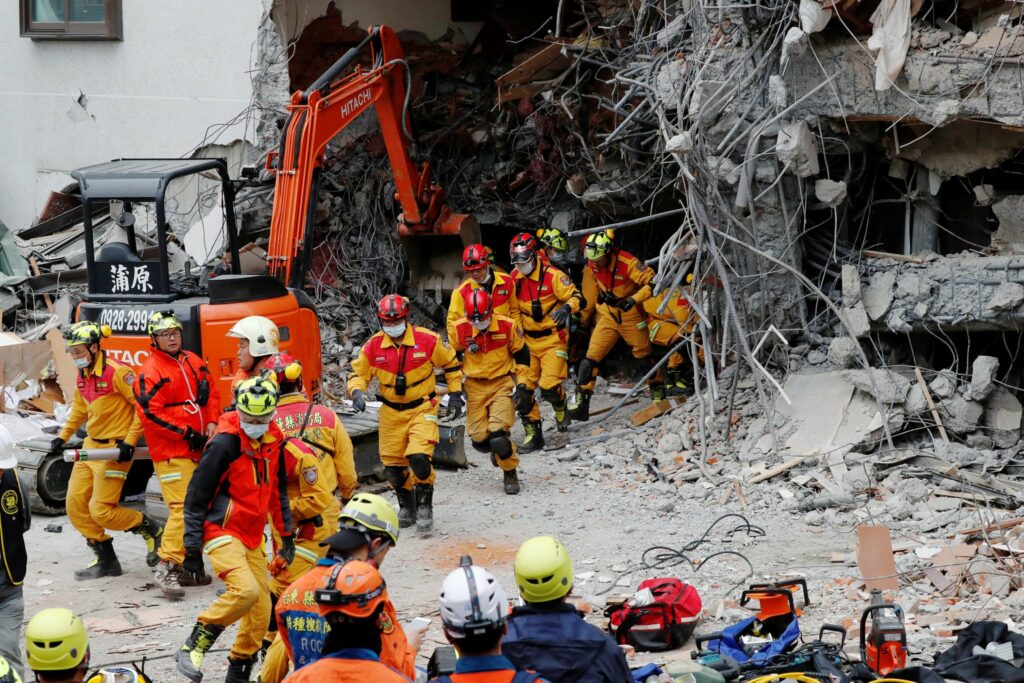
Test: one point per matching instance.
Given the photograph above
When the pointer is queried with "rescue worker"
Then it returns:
(314, 424)
(258, 338)
(547, 298)
(57, 646)
(14, 523)
(556, 248)
(369, 529)
(495, 361)
(403, 357)
(474, 612)
(481, 275)
(667, 328)
(240, 480)
(614, 282)
(179, 405)
(8, 674)
(548, 635)
(104, 402)
(351, 601)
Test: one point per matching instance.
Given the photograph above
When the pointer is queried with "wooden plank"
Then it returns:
(532, 65)
(779, 469)
(657, 409)
(995, 526)
(931, 404)
(875, 559)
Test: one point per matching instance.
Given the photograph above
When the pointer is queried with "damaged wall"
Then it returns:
(181, 70)
(431, 17)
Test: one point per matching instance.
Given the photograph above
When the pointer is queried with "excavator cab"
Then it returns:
(130, 275)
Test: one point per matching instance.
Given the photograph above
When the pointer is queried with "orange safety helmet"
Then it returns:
(354, 589)
(523, 248)
(475, 257)
(393, 308)
(479, 307)
(284, 367)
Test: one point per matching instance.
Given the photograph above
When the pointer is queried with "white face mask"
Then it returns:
(82, 363)
(254, 431)
(525, 268)
(481, 325)
(394, 330)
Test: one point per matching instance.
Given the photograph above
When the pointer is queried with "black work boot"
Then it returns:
(534, 439)
(239, 670)
(511, 482)
(406, 507)
(579, 407)
(424, 507)
(105, 564)
(198, 643)
(562, 418)
(657, 392)
(151, 533)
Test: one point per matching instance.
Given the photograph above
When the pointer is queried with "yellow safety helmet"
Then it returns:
(597, 245)
(8, 673)
(554, 238)
(160, 321)
(86, 332)
(55, 640)
(371, 512)
(543, 570)
(257, 396)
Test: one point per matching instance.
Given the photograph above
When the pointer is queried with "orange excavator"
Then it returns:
(128, 280)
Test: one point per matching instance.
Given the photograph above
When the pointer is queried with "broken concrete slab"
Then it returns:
(884, 384)
(1009, 237)
(878, 294)
(797, 147)
(844, 352)
(983, 376)
(1003, 413)
(959, 415)
(944, 385)
(830, 192)
(1007, 297)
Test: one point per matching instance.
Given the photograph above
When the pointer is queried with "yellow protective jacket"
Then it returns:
(677, 311)
(324, 431)
(500, 349)
(625, 276)
(540, 293)
(503, 299)
(311, 484)
(413, 357)
(104, 395)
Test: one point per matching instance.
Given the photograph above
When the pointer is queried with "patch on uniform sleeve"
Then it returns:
(386, 624)
(641, 266)
(129, 378)
(566, 281)
(310, 474)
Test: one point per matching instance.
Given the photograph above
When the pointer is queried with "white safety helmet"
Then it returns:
(261, 332)
(472, 601)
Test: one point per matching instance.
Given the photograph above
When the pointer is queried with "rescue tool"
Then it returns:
(884, 648)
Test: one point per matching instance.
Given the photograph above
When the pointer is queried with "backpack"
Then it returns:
(665, 624)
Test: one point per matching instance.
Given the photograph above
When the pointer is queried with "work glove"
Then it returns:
(125, 451)
(56, 446)
(287, 550)
(358, 401)
(193, 564)
(626, 304)
(562, 315)
(195, 440)
(524, 399)
(455, 404)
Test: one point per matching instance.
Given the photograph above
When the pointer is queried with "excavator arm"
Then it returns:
(319, 113)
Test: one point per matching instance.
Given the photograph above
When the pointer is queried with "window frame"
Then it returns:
(110, 29)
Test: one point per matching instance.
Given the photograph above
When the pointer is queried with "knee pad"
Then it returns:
(501, 445)
(396, 476)
(419, 463)
(482, 446)
(586, 370)
(553, 395)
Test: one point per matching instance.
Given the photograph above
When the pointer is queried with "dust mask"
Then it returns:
(481, 325)
(82, 363)
(254, 431)
(525, 268)
(394, 330)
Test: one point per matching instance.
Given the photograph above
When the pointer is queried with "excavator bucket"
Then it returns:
(435, 259)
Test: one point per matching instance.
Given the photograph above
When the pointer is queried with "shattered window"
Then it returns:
(71, 19)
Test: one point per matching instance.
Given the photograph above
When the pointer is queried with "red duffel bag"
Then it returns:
(664, 624)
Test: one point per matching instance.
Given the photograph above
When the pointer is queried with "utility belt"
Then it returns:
(537, 334)
(407, 406)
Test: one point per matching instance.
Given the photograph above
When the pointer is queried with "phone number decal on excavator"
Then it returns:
(125, 320)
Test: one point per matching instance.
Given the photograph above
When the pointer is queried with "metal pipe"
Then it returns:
(627, 224)
(98, 454)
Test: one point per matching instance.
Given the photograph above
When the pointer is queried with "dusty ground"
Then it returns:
(606, 512)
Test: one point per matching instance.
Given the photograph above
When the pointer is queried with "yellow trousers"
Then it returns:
(549, 365)
(174, 476)
(407, 432)
(668, 333)
(490, 409)
(275, 663)
(247, 598)
(94, 499)
(630, 326)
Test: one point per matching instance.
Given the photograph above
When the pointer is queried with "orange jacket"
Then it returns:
(625, 277)
(237, 484)
(105, 402)
(484, 669)
(303, 630)
(324, 431)
(503, 299)
(348, 666)
(545, 289)
(500, 349)
(415, 356)
(170, 400)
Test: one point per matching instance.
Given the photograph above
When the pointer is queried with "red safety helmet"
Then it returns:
(479, 307)
(393, 308)
(475, 257)
(523, 249)
(284, 367)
